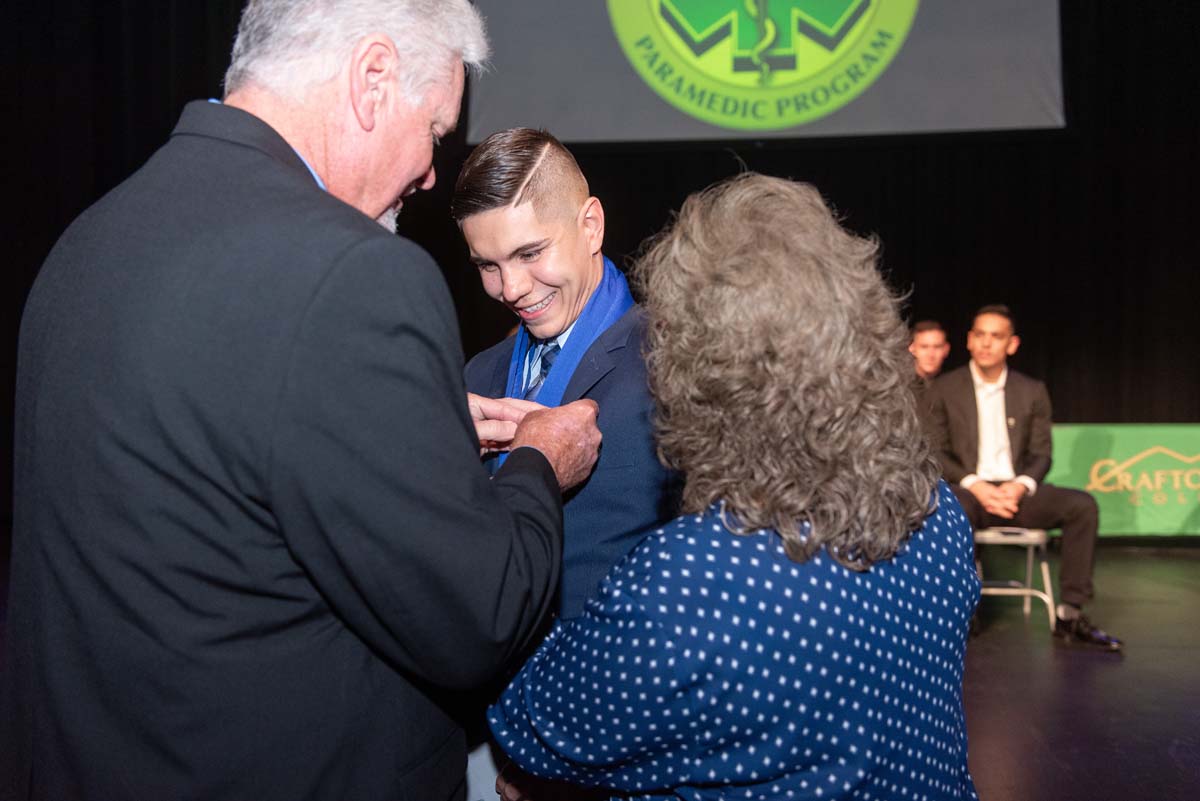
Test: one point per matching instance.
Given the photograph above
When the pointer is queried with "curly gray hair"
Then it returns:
(779, 363)
(288, 46)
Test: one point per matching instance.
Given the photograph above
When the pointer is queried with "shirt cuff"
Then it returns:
(1029, 483)
(968, 480)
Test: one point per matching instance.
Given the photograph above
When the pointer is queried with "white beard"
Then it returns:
(388, 219)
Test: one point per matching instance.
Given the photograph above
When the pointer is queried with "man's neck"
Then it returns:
(990, 375)
(284, 117)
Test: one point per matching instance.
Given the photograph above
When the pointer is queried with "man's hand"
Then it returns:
(996, 500)
(496, 420)
(1013, 490)
(567, 436)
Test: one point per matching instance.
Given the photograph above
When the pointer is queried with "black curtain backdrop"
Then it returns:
(1085, 232)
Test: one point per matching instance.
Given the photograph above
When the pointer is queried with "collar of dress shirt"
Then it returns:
(561, 339)
(984, 386)
(535, 351)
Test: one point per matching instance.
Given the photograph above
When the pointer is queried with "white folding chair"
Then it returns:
(1032, 539)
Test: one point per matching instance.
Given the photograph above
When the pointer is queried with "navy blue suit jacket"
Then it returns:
(629, 490)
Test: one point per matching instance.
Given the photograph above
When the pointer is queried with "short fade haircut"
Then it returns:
(289, 46)
(921, 326)
(998, 309)
(516, 166)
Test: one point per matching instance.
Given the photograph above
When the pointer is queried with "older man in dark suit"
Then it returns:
(252, 535)
(991, 430)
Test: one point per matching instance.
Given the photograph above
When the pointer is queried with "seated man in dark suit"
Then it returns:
(990, 428)
(535, 234)
(929, 348)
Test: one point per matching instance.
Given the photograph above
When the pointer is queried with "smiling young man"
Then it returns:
(990, 428)
(535, 235)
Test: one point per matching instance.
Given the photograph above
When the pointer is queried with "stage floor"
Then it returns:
(1049, 722)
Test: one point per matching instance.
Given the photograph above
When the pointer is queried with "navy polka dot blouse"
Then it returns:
(711, 666)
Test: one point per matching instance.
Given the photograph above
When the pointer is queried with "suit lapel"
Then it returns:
(1015, 406)
(970, 455)
(499, 378)
(600, 358)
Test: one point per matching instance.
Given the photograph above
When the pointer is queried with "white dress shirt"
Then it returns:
(995, 452)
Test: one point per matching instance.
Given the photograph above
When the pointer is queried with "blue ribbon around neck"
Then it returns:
(608, 303)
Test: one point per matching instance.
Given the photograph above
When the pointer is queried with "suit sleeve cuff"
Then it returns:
(968, 480)
(1029, 483)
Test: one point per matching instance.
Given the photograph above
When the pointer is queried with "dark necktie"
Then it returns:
(549, 354)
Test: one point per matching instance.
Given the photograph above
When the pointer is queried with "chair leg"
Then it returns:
(1048, 587)
(1028, 578)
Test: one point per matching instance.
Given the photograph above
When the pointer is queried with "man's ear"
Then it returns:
(1014, 342)
(591, 223)
(372, 65)
(912, 348)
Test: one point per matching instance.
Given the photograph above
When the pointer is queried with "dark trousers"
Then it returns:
(1073, 511)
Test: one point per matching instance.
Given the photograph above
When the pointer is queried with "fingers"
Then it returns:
(494, 435)
(510, 409)
(509, 791)
(567, 436)
(1001, 507)
(590, 404)
(524, 406)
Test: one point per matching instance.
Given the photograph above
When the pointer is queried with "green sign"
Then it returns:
(760, 64)
(1146, 478)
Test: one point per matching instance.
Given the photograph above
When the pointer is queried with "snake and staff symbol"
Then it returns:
(767, 34)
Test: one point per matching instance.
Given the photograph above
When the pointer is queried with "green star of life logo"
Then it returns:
(760, 64)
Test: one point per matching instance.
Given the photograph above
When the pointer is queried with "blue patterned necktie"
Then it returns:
(549, 354)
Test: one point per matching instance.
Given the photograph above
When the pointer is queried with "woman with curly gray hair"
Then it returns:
(799, 632)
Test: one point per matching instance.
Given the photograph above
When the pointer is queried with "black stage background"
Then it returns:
(1086, 232)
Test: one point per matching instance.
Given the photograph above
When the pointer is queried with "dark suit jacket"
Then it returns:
(954, 424)
(629, 490)
(252, 532)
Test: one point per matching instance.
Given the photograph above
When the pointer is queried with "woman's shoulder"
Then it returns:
(947, 526)
(696, 562)
(695, 538)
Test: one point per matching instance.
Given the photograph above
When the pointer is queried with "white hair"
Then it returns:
(289, 46)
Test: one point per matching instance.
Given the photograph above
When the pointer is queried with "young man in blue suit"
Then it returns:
(535, 235)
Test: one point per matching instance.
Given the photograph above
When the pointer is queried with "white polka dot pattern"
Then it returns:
(711, 666)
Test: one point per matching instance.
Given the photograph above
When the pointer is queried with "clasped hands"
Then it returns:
(1001, 500)
(566, 435)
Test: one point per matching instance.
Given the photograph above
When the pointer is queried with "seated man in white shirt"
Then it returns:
(990, 428)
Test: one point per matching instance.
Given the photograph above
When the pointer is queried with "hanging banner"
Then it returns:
(1145, 478)
(644, 70)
